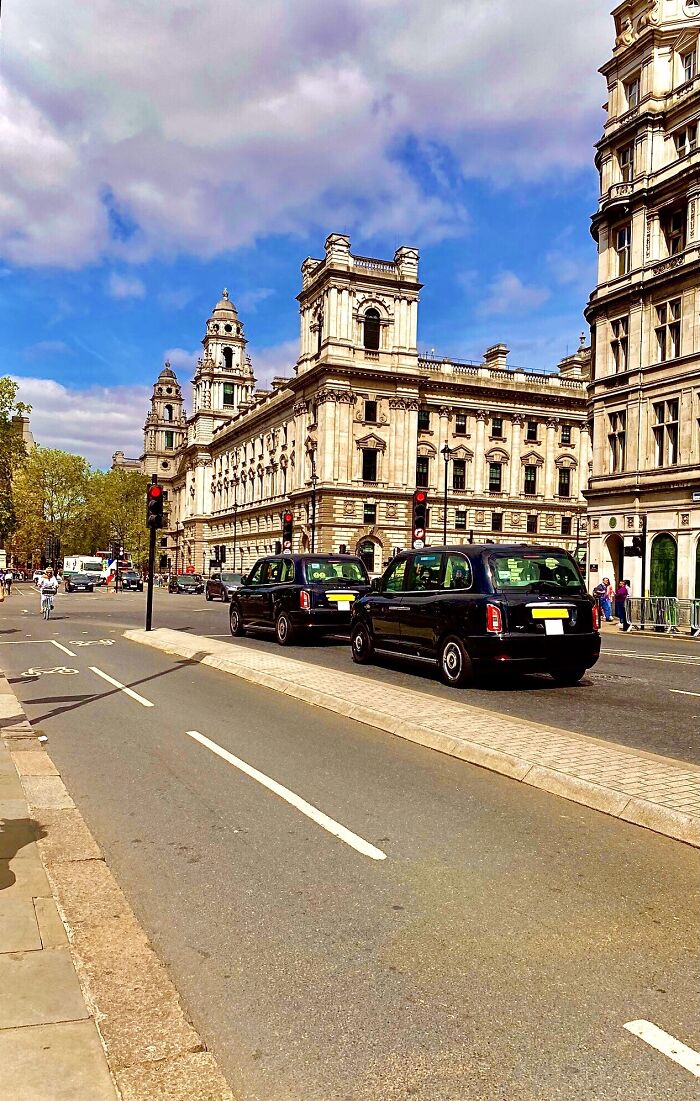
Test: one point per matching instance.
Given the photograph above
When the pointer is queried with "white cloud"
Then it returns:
(125, 286)
(181, 361)
(507, 294)
(248, 301)
(94, 422)
(275, 361)
(45, 349)
(296, 131)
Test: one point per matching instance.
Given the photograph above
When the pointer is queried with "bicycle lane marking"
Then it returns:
(122, 687)
(668, 1045)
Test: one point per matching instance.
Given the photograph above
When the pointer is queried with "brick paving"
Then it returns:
(656, 792)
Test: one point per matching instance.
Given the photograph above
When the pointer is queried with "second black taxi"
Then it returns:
(481, 608)
(298, 593)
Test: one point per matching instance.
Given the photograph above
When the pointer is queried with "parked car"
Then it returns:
(481, 608)
(189, 583)
(76, 582)
(131, 579)
(293, 593)
(221, 586)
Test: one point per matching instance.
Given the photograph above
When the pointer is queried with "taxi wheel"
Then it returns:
(454, 663)
(361, 644)
(568, 676)
(235, 621)
(208, 595)
(284, 629)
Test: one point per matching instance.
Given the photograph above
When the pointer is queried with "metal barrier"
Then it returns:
(666, 614)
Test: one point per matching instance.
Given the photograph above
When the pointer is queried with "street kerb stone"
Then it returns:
(662, 819)
(88, 891)
(190, 1078)
(580, 791)
(67, 838)
(493, 759)
(33, 762)
(47, 791)
(54, 1062)
(148, 1035)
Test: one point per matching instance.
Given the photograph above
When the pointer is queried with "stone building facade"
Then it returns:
(645, 310)
(361, 422)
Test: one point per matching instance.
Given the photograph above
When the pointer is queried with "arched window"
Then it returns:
(372, 330)
(366, 551)
(228, 358)
(664, 562)
(168, 412)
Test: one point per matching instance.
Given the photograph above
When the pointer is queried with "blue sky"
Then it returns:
(156, 157)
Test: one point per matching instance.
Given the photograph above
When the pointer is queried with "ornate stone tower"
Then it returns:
(643, 313)
(164, 430)
(224, 380)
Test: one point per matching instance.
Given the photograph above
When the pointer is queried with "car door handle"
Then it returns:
(396, 607)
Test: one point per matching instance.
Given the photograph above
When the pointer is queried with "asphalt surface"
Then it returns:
(496, 952)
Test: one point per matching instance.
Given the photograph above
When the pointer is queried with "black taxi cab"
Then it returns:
(481, 608)
(293, 593)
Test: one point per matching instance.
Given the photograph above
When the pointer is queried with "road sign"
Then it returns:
(418, 544)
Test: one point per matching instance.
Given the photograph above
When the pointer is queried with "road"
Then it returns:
(497, 949)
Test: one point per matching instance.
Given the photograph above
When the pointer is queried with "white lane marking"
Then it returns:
(679, 692)
(40, 672)
(317, 816)
(118, 684)
(666, 1044)
(652, 657)
(60, 647)
(92, 642)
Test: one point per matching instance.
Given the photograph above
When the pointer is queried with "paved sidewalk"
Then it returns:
(50, 1049)
(634, 786)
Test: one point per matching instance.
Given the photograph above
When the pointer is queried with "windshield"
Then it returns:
(91, 565)
(334, 570)
(232, 578)
(535, 571)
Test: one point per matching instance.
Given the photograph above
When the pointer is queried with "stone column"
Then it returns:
(584, 457)
(550, 487)
(480, 451)
(410, 443)
(515, 453)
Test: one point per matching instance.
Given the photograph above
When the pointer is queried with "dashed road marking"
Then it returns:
(62, 647)
(117, 684)
(679, 692)
(665, 1043)
(317, 816)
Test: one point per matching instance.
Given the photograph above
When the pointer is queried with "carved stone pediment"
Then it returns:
(427, 450)
(371, 441)
(531, 458)
(566, 461)
(497, 455)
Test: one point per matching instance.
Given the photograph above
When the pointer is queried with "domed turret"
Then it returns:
(224, 376)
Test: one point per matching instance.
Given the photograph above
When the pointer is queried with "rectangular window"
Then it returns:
(370, 513)
(668, 329)
(423, 420)
(532, 524)
(460, 424)
(164, 541)
(566, 525)
(625, 158)
(632, 92)
(531, 431)
(686, 140)
(371, 412)
(689, 62)
(564, 481)
(459, 474)
(229, 393)
(369, 464)
(496, 521)
(566, 433)
(497, 427)
(619, 343)
(665, 430)
(422, 471)
(530, 481)
(461, 519)
(673, 228)
(169, 441)
(495, 477)
(623, 248)
(616, 441)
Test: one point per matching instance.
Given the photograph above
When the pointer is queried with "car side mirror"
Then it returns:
(375, 584)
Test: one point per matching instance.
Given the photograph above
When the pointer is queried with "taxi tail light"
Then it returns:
(494, 619)
(305, 600)
(596, 617)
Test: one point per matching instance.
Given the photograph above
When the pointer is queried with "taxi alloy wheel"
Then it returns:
(236, 621)
(361, 645)
(568, 676)
(455, 663)
(284, 629)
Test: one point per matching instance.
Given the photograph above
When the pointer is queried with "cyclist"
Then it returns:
(9, 578)
(48, 587)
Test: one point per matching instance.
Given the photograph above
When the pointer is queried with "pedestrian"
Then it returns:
(603, 592)
(622, 593)
(9, 578)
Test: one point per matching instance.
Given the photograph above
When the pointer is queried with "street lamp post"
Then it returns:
(235, 512)
(446, 453)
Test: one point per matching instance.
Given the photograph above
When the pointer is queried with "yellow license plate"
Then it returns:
(550, 613)
(341, 596)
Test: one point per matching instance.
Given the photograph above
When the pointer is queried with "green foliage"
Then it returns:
(12, 453)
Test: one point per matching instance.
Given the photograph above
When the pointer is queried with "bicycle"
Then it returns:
(47, 605)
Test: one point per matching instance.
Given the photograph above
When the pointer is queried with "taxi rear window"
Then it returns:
(340, 569)
(534, 571)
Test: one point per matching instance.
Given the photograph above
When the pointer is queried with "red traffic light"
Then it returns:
(420, 496)
(288, 517)
(154, 491)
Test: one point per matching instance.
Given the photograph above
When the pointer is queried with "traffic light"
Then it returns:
(638, 546)
(154, 507)
(222, 554)
(420, 516)
(287, 529)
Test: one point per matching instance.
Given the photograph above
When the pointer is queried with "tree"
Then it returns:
(51, 495)
(12, 452)
(124, 495)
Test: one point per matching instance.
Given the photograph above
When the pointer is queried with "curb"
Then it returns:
(640, 812)
(152, 1050)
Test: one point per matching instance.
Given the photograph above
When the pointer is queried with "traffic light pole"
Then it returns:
(151, 567)
(644, 569)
